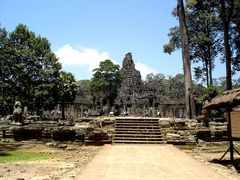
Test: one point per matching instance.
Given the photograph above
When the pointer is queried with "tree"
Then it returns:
(175, 87)
(67, 89)
(106, 80)
(30, 71)
(204, 30)
(225, 24)
(203, 33)
(236, 37)
(209, 93)
(189, 98)
(5, 86)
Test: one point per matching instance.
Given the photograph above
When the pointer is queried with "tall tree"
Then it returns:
(225, 24)
(106, 80)
(31, 69)
(203, 31)
(5, 85)
(236, 39)
(189, 98)
(67, 89)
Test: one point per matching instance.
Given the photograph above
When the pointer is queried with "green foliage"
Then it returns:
(236, 83)
(209, 93)
(67, 89)
(205, 30)
(86, 84)
(171, 86)
(14, 156)
(155, 77)
(67, 86)
(106, 80)
(236, 37)
(174, 42)
(191, 3)
(84, 87)
(175, 87)
(169, 48)
(220, 83)
(30, 70)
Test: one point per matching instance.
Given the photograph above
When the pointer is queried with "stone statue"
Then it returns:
(17, 113)
(25, 111)
(206, 113)
(55, 114)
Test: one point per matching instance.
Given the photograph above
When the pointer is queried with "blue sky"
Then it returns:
(84, 32)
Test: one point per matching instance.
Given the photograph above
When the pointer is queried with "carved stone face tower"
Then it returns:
(131, 83)
(132, 77)
(128, 62)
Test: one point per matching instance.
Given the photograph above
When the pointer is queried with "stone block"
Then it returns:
(204, 135)
(63, 134)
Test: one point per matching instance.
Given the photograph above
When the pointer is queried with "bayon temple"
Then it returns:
(135, 97)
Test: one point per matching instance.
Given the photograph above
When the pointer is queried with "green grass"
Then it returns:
(17, 155)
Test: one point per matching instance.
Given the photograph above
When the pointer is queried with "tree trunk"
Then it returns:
(207, 71)
(108, 103)
(210, 73)
(225, 23)
(63, 107)
(189, 99)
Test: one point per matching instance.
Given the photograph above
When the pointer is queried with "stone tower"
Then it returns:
(132, 77)
(131, 83)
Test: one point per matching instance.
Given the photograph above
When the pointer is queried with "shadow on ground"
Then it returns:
(9, 146)
(228, 163)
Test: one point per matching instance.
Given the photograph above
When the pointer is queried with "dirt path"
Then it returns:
(65, 165)
(71, 159)
(153, 162)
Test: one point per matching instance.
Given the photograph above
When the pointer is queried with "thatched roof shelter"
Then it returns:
(227, 99)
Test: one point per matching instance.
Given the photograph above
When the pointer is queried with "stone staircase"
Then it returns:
(137, 131)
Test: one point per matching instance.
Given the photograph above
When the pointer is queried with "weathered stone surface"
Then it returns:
(17, 113)
(85, 127)
(131, 84)
(204, 134)
(179, 123)
(134, 97)
(90, 132)
(138, 98)
(63, 134)
(98, 136)
(27, 132)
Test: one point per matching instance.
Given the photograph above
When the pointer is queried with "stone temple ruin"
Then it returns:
(137, 97)
(134, 97)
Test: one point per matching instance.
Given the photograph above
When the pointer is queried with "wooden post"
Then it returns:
(231, 148)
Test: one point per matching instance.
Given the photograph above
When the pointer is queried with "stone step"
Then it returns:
(138, 132)
(138, 139)
(138, 135)
(138, 142)
(137, 127)
(137, 119)
(136, 124)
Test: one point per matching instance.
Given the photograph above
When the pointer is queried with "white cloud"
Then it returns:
(81, 56)
(90, 58)
(145, 70)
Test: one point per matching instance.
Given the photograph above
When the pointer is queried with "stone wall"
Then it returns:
(134, 97)
(100, 130)
(183, 132)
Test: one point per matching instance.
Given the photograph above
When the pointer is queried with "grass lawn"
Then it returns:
(18, 155)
